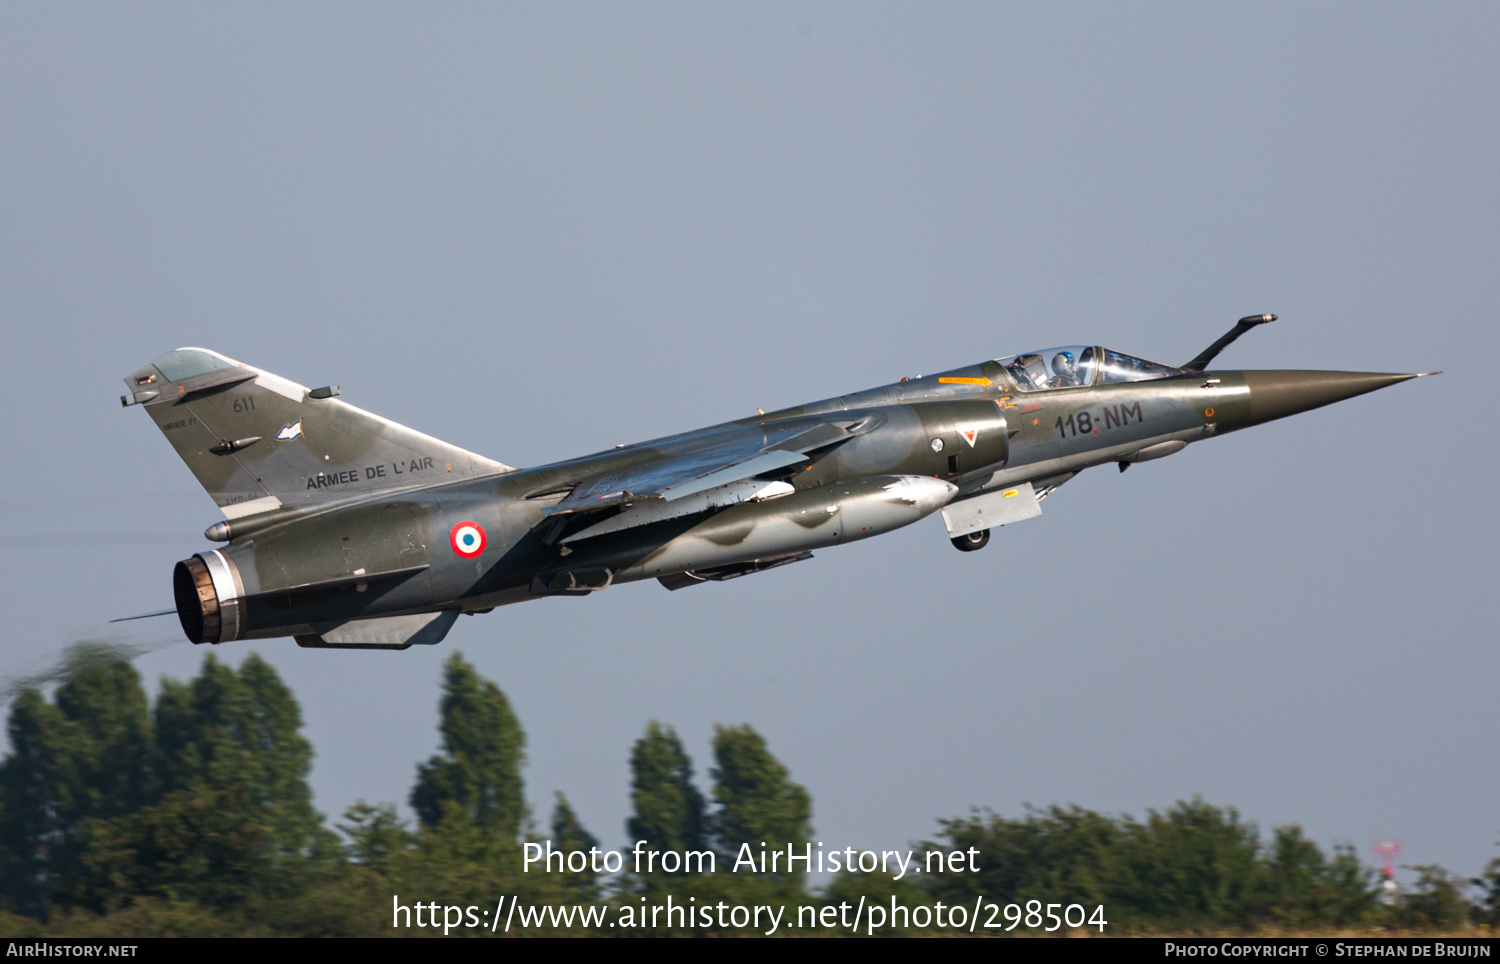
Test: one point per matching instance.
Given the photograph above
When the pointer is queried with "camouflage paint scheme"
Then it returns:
(346, 530)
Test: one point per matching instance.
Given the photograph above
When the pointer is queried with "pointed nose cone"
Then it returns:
(1277, 394)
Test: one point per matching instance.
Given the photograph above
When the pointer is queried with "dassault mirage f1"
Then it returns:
(345, 530)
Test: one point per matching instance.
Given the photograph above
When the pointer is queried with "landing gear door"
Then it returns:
(988, 510)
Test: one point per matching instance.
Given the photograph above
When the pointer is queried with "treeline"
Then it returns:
(191, 815)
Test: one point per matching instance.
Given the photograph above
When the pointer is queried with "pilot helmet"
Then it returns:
(1062, 361)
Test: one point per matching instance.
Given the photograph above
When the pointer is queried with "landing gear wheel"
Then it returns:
(973, 541)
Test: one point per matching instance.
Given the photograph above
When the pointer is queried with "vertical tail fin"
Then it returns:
(257, 442)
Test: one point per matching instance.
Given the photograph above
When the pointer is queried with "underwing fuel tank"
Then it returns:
(752, 533)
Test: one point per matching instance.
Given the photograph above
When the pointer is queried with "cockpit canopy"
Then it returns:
(1067, 367)
(1075, 366)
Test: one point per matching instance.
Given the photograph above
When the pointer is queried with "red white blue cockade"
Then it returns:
(467, 539)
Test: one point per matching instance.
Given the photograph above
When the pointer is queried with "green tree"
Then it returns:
(569, 834)
(1057, 854)
(1194, 865)
(236, 820)
(242, 731)
(203, 844)
(669, 809)
(1305, 887)
(31, 816)
(759, 804)
(477, 777)
(1436, 901)
(112, 742)
(1487, 908)
(377, 836)
(84, 757)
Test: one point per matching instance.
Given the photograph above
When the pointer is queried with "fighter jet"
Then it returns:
(345, 530)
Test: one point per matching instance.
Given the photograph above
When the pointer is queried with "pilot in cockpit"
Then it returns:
(1065, 370)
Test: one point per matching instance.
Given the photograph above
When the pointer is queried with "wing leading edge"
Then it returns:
(687, 466)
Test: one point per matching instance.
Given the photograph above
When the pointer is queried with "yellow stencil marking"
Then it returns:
(964, 381)
(1009, 494)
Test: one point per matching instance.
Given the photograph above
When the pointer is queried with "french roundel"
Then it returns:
(467, 539)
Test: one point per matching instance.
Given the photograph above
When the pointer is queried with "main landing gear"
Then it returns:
(972, 542)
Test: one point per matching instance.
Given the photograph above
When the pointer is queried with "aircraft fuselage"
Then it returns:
(897, 453)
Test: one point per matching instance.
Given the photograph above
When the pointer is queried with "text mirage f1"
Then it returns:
(343, 529)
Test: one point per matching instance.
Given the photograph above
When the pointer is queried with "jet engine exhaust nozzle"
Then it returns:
(208, 593)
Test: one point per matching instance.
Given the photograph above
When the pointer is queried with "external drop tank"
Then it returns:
(749, 537)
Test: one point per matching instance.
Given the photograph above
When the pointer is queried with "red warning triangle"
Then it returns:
(970, 435)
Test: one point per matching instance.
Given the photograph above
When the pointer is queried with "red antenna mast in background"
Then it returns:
(1388, 849)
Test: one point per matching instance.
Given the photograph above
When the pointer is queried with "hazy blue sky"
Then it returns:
(539, 230)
